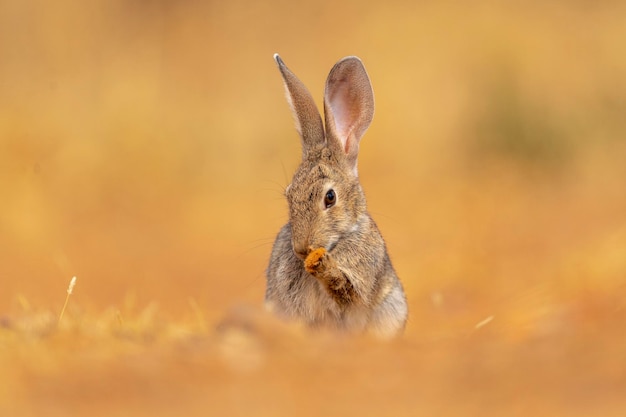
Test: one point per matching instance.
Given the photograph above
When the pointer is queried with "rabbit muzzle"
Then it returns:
(301, 250)
(304, 248)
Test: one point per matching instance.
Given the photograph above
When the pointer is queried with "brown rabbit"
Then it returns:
(329, 265)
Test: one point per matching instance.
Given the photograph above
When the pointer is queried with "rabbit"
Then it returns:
(329, 265)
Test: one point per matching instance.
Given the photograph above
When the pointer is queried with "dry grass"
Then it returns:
(144, 147)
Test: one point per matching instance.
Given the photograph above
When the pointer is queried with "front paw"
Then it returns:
(314, 260)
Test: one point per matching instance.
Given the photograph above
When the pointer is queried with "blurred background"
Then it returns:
(145, 145)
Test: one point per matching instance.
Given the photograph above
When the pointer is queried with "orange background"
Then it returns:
(144, 147)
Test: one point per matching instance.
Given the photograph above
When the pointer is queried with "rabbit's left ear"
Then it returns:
(305, 113)
(348, 107)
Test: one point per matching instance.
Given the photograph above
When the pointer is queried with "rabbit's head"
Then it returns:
(325, 199)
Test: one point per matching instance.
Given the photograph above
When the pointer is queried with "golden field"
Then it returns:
(144, 147)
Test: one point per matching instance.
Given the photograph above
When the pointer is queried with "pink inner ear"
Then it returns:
(345, 111)
(342, 122)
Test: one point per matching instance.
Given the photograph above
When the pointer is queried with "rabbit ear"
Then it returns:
(307, 117)
(348, 106)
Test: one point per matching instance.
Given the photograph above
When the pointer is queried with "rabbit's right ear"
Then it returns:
(307, 117)
(348, 107)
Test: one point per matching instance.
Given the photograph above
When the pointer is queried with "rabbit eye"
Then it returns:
(330, 198)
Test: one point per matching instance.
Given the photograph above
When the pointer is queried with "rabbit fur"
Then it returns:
(329, 265)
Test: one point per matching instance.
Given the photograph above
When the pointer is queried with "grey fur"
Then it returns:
(351, 284)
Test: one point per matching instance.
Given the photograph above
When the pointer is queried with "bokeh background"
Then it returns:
(144, 147)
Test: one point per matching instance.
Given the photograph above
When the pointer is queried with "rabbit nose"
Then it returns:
(301, 251)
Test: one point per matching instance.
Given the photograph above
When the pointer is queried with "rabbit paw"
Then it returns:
(314, 259)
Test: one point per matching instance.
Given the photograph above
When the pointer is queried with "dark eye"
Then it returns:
(330, 198)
